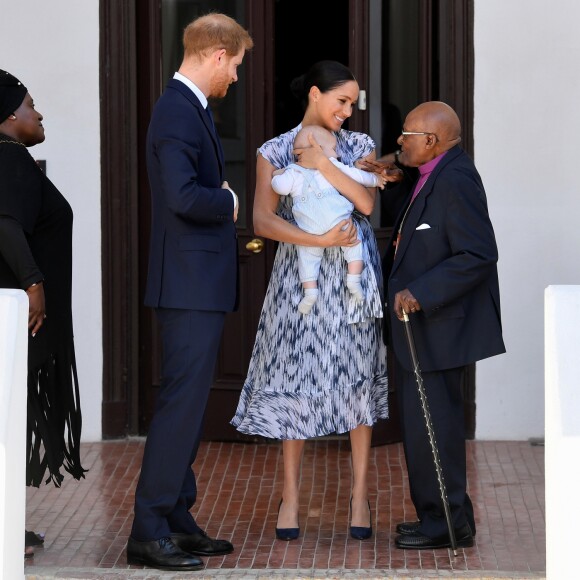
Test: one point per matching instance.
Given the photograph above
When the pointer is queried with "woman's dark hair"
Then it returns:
(325, 74)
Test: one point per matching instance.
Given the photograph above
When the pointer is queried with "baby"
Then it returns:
(317, 207)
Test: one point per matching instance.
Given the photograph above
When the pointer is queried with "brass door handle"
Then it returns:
(256, 245)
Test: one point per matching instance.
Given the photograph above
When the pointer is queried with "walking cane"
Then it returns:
(430, 430)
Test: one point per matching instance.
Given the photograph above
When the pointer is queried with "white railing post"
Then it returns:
(13, 372)
(562, 408)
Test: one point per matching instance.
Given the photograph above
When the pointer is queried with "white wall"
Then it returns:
(562, 320)
(53, 48)
(526, 128)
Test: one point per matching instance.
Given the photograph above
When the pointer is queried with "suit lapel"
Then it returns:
(190, 96)
(416, 210)
(411, 221)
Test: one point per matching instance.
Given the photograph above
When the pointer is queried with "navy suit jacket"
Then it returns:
(193, 258)
(451, 269)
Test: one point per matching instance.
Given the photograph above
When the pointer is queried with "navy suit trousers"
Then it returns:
(167, 488)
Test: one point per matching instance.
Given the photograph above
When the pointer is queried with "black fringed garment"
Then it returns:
(36, 244)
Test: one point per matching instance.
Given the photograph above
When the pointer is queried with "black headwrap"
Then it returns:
(12, 93)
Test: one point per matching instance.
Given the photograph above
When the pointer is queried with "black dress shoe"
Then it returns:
(162, 554)
(406, 528)
(417, 541)
(201, 544)
(33, 539)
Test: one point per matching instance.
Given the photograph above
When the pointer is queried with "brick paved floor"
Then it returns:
(87, 523)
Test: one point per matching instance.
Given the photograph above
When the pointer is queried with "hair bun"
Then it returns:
(297, 87)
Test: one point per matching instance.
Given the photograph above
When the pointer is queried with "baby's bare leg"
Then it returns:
(355, 267)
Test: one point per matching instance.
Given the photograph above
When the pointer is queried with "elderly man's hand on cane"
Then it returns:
(405, 302)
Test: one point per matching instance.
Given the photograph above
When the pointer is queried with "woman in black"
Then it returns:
(36, 256)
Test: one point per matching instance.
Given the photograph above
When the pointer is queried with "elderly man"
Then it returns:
(440, 268)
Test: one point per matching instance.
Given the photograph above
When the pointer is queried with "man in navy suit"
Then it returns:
(191, 284)
(441, 269)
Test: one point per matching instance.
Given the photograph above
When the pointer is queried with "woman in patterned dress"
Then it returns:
(326, 372)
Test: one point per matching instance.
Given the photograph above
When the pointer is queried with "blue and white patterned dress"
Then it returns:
(325, 372)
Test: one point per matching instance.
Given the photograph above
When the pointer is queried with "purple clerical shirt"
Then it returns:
(425, 171)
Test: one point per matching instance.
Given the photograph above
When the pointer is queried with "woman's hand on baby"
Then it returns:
(342, 234)
(310, 157)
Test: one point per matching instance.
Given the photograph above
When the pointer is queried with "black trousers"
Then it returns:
(443, 390)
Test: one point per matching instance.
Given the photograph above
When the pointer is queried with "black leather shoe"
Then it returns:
(162, 554)
(417, 541)
(33, 539)
(406, 528)
(201, 544)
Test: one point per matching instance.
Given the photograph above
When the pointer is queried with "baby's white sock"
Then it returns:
(354, 286)
(310, 297)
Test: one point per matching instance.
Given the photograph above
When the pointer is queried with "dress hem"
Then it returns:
(290, 415)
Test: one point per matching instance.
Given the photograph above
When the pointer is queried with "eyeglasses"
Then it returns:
(405, 133)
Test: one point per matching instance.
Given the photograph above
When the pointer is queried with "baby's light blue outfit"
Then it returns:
(317, 207)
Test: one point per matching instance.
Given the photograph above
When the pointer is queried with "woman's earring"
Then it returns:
(13, 117)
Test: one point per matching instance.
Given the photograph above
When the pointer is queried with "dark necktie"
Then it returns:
(219, 145)
(210, 115)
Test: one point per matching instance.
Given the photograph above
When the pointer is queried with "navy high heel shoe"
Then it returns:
(359, 532)
(287, 534)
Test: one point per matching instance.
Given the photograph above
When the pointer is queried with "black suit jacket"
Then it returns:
(447, 258)
(193, 255)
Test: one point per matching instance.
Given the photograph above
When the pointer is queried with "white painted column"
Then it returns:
(13, 372)
(562, 404)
